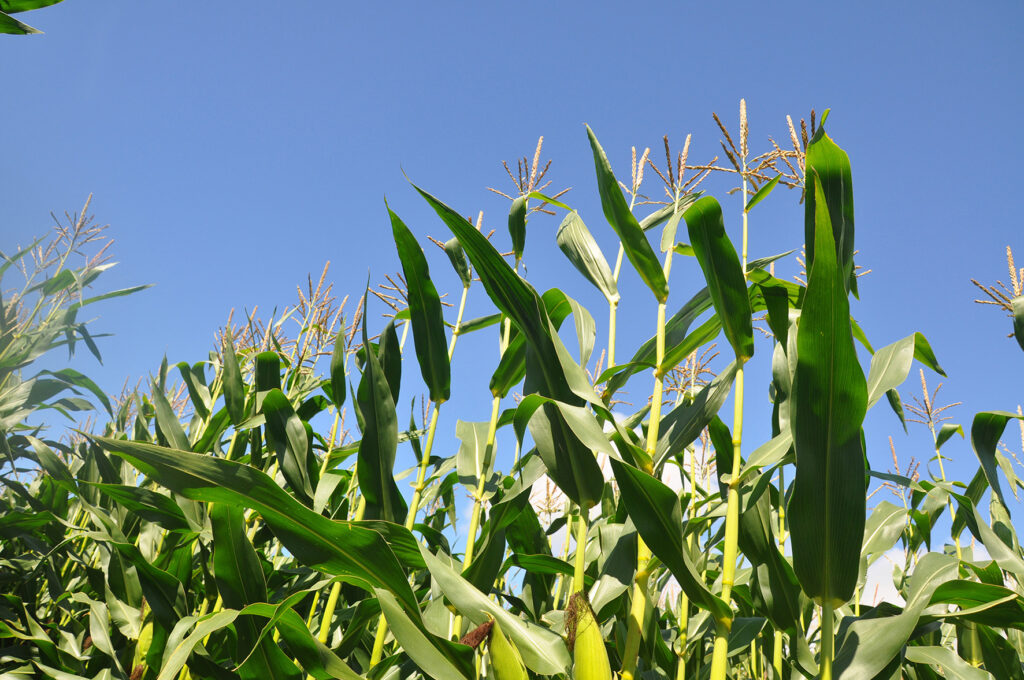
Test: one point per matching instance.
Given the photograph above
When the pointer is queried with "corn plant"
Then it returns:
(235, 527)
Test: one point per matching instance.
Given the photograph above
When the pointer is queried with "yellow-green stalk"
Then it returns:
(478, 497)
(638, 606)
(719, 660)
(827, 643)
(421, 475)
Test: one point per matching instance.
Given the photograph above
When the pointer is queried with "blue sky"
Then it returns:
(235, 150)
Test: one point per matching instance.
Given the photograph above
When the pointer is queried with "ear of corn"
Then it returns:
(506, 662)
(590, 658)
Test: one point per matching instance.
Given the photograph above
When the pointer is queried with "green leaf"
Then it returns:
(425, 313)
(234, 389)
(15, 6)
(946, 432)
(579, 246)
(240, 582)
(453, 249)
(633, 239)
(167, 420)
(828, 175)
(986, 430)
(12, 26)
(437, 657)
(545, 372)
(865, 646)
(379, 444)
(655, 510)
(762, 193)
(475, 457)
(1017, 306)
(827, 508)
(684, 423)
(946, 660)
(547, 199)
(198, 392)
(723, 273)
(543, 652)
(287, 437)
(890, 365)
(517, 226)
(336, 548)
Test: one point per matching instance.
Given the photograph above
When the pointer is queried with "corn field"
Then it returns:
(243, 516)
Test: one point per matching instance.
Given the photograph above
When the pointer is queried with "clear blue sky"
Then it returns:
(235, 149)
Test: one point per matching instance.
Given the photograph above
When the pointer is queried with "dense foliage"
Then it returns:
(228, 529)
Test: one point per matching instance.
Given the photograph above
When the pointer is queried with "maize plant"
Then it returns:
(255, 522)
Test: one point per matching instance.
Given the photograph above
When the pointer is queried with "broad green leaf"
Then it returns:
(545, 372)
(15, 6)
(579, 246)
(655, 510)
(147, 504)
(182, 642)
(338, 379)
(762, 193)
(547, 199)
(827, 507)
(865, 646)
(286, 436)
(379, 445)
(195, 383)
(425, 313)
(457, 256)
(1001, 659)
(167, 420)
(234, 389)
(1017, 305)
(882, 529)
(543, 652)
(337, 548)
(986, 430)
(985, 603)
(723, 273)
(828, 176)
(475, 459)
(633, 239)
(240, 582)
(946, 432)
(946, 660)
(665, 213)
(517, 226)
(683, 424)
(438, 658)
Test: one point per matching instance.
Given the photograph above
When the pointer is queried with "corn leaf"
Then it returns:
(723, 273)
(337, 548)
(575, 240)
(633, 239)
(425, 313)
(379, 445)
(827, 508)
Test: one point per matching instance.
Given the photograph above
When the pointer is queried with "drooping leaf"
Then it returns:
(545, 371)
(287, 437)
(437, 657)
(633, 239)
(827, 508)
(986, 430)
(828, 168)
(234, 389)
(579, 246)
(723, 273)
(337, 548)
(517, 226)
(379, 445)
(762, 193)
(657, 514)
(425, 313)
(543, 651)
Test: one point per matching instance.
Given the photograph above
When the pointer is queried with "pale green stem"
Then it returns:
(827, 643)
(478, 498)
(581, 549)
(719, 660)
(638, 605)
